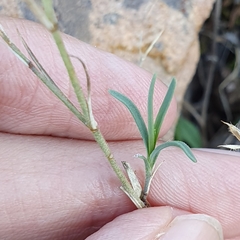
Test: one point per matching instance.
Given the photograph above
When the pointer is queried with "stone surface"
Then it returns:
(128, 27)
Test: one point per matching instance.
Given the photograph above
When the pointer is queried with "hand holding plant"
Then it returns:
(133, 188)
(150, 134)
(51, 181)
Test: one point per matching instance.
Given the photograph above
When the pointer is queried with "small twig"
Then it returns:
(193, 112)
(53, 28)
(212, 67)
(142, 58)
(40, 73)
(231, 77)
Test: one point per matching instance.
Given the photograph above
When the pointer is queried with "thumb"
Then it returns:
(165, 223)
(194, 227)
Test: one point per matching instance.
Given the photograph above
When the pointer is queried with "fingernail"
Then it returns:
(193, 227)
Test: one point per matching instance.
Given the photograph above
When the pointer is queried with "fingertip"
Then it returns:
(193, 227)
(138, 224)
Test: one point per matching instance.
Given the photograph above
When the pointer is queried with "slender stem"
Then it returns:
(71, 72)
(49, 11)
(125, 183)
(85, 105)
(212, 67)
(148, 179)
(39, 13)
(53, 28)
(78, 90)
(144, 195)
(41, 74)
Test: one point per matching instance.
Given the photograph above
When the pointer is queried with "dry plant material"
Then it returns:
(236, 133)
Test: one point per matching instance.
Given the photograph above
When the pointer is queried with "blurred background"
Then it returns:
(214, 92)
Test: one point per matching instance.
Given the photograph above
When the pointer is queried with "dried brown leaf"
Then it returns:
(233, 129)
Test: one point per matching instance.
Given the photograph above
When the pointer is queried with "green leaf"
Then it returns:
(186, 149)
(187, 132)
(44, 77)
(151, 133)
(163, 109)
(135, 113)
(148, 167)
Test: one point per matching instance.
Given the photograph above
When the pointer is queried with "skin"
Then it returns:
(55, 181)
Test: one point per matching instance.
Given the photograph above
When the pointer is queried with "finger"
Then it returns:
(28, 107)
(210, 186)
(55, 187)
(51, 182)
(159, 223)
(138, 224)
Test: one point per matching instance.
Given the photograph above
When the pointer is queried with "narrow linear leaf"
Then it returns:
(48, 81)
(135, 113)
(151, 134)
(13, 47)
(186, 149)
(163, 109)
(93, 123)
(52, 26)
(147, 164)
(40, 73)
(140, 156)
(37, 63)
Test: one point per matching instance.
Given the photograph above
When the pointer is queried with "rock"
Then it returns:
(128, 27)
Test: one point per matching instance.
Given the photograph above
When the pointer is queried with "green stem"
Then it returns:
(53, 28)
(41, 74)
(78, 90)
(147, 184)
(125, 183)
(148, 180)
(66, 59)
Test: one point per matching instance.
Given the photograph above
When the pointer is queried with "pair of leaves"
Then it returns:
(151, 134)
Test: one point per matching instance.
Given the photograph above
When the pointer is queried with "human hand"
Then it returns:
(63, 188)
